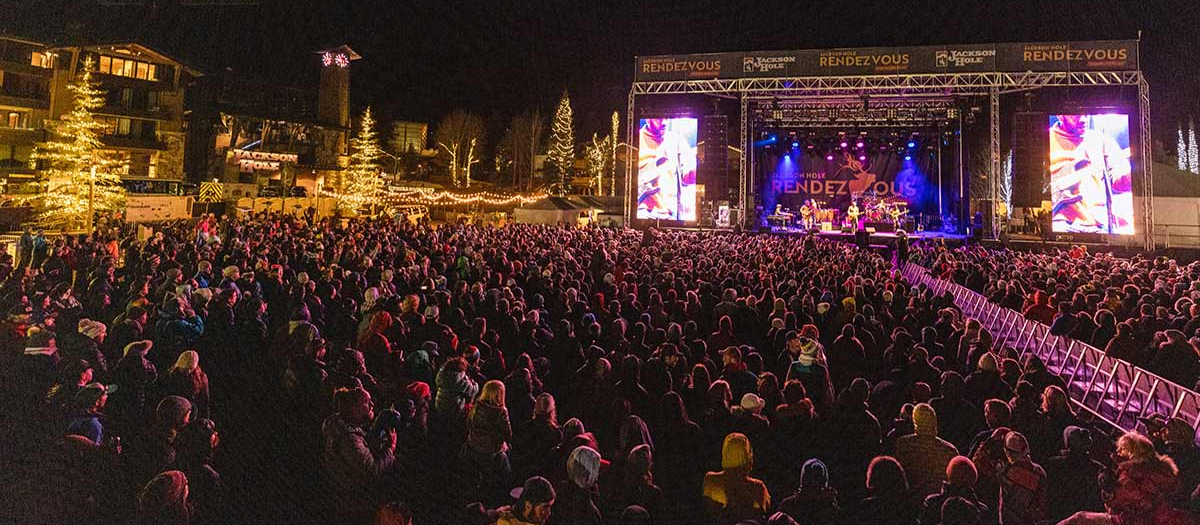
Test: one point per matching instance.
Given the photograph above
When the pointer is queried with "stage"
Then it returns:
(876, 239)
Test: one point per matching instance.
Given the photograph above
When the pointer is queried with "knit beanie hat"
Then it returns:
(188, 360)
(925, 420)
(583, 467)
(961, 472)
(988, 362)
(1077, 438)
(640, 459)
(573, 427)
(172, 409)
(814, 473)
(91, 329)
(138, 348)
(634, 515)
(536, 490)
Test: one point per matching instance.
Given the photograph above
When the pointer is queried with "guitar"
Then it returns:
(853, 213)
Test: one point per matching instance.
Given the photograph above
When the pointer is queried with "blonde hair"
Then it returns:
(492, 393)
(1136, 447)
(1055, 399)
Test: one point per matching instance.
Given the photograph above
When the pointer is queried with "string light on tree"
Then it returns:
(1193, 151)
(364, 181)
(78, 176)
(562, 146)
(1181, 148)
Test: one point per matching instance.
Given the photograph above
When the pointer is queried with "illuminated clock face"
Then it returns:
(327, 59)
(341, 60)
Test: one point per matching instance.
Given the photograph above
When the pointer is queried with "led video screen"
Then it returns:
(667, 169)
(1090, 174)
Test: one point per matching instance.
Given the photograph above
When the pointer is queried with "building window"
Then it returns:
(124, 67)
(13, 120)
(45, 60)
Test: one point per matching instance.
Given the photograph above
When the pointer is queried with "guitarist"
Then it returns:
(853, 213)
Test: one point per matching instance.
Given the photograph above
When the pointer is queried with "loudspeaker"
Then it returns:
(1031, 159)
(712, 170)
(862, 239)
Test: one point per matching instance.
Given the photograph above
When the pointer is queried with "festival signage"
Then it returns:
(251, 161)
(978, 58)
(689, 67)
(790, 180)
(1114, 55)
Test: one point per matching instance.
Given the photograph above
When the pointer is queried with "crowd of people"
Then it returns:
(272, 369)
(1144, 310)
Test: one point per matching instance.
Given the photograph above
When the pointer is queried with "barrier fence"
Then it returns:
(1112, 390)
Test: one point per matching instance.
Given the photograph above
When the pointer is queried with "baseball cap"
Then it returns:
(91, 392)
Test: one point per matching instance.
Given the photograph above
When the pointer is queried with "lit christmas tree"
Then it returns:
(1181, 147)
(364, 182)
(562, 146)
(1193, 161)
(78, 175)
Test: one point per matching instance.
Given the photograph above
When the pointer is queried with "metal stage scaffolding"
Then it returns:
(816, 96)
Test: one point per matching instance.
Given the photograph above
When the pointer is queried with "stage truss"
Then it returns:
(825, 97)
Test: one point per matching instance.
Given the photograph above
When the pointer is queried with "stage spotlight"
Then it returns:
(795, 144)
(859, 144)
(908, 157)
(862, 157)
(829, 157)
(912, 144)
(843, 144)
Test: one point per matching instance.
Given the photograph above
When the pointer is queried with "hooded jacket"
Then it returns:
(924, 455)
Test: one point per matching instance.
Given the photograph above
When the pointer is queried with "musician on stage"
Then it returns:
(853, 213)
(807, 211)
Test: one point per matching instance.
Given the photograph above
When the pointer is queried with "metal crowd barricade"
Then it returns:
(1113, 390)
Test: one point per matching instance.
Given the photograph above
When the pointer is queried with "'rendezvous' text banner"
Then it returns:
(1110, 55)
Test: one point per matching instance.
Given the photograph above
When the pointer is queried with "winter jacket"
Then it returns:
(1144, 490)
(1022, 493)
(454, 390)
(355, 470)
(488, 429)
(174, 334)
(924, 455)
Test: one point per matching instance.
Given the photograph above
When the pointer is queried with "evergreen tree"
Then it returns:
(363, 182)
(1182, 148)
(562, 147)
(69, 157)
(1193, 153)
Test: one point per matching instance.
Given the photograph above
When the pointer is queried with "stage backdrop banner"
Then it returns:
(792, 179)
(1107, 55)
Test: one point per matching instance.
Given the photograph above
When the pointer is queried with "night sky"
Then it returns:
(425, 58)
